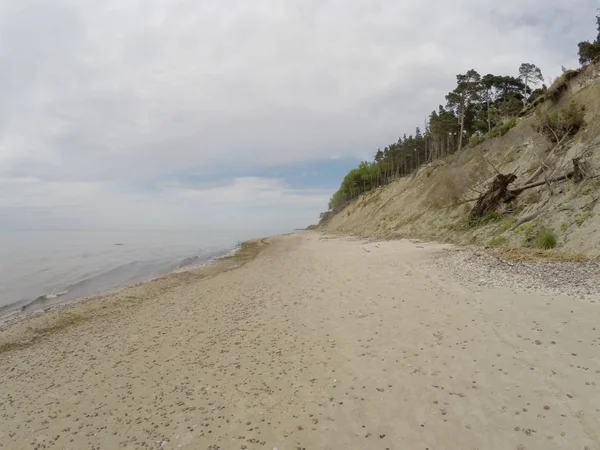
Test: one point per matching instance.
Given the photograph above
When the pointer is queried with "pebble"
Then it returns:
(579, 279)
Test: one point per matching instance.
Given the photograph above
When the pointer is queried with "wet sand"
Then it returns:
(317, 343)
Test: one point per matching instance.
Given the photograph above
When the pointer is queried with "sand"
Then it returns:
(317, 343)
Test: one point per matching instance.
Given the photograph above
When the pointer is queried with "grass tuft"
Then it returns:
(546, 239)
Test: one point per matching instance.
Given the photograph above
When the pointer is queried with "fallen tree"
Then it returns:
(499, 191)
(496, 194)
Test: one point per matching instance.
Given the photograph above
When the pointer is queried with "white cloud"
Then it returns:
(247, 202)
(99, 95)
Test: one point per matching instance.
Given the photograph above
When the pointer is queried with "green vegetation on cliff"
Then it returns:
(479, 108)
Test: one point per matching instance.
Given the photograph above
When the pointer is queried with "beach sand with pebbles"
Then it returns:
(318, 342)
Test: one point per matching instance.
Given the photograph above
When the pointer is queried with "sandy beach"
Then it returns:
(319, 342)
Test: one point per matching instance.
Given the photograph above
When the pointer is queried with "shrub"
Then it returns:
(546, 239)
(501, 130)
(506, 225)
(561, 85)
(492, 216)
(588, 51)
(507, 125)
(497, 241)
(564, 122)
(462, 224)
(475, 140)
(324, 217)
(529, 231)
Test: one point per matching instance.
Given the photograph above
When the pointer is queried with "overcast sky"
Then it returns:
(234, 113)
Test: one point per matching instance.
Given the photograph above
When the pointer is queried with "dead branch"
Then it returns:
(493, 166)
(539, 170)
(474, 190)
(543, 164)
(520, 189)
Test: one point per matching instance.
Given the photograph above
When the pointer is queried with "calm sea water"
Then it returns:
(41, 268)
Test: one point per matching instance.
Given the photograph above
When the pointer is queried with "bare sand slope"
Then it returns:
(318, 343)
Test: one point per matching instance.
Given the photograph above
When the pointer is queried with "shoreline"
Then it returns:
(67, 294)
(315, 341)
(240, 255)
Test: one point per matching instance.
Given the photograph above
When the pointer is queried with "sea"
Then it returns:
(42, 268)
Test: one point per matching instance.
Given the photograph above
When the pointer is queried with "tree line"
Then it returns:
(479, 107)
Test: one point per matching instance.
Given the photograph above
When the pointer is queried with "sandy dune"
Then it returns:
(318, 343)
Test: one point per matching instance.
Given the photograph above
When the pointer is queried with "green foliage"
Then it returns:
(492, 216)
(530, 75)
(590, 51)
(324, 217)
(529, 230)
(506, 225)
(312, 227)
(546, 239)
(497, 241)
(462, 224)
(479, 108)
(475, 140)
(501, 129)
(566, 121)
(564, 227)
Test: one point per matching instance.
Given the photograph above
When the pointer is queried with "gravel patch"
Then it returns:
(574, 279)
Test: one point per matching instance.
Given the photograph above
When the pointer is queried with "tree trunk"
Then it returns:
(462, 126)
(489, 120)
(490, 200)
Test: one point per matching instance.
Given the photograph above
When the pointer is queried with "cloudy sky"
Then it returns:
(234, 113)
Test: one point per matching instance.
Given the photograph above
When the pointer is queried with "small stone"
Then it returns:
(546, 407)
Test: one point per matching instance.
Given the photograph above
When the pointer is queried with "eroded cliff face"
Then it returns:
(432, 203)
